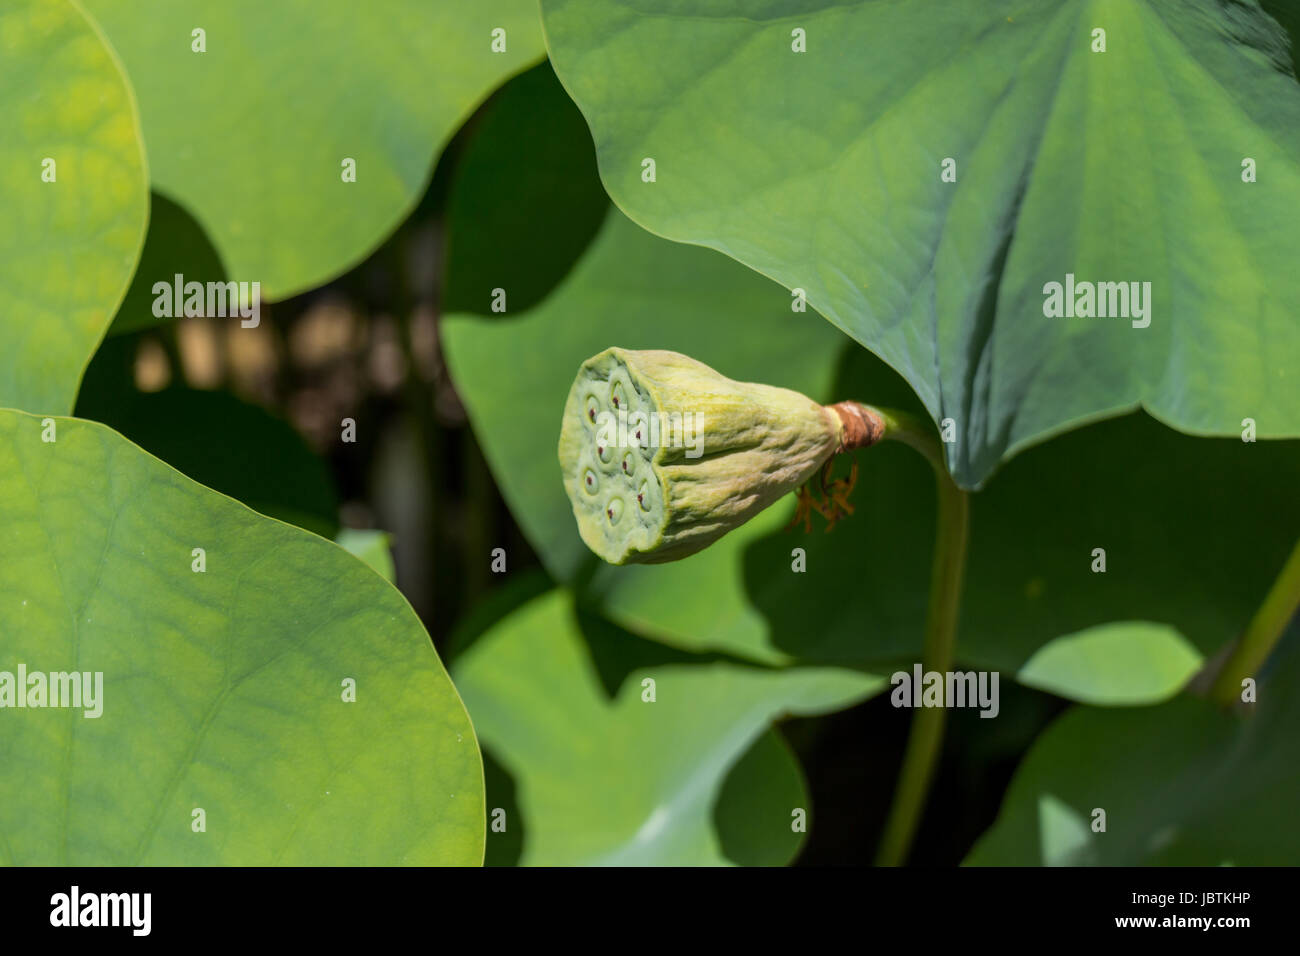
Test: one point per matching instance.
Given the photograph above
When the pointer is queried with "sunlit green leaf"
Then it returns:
(1127, 662)
(252, 134)
(607, 776)
(825, 170)
(74, 199)
(226, 678)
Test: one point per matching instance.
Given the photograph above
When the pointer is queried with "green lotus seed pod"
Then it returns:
(662, 455)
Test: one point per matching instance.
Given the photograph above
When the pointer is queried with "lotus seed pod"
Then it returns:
(661, 455)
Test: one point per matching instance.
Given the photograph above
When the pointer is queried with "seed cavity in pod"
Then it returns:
(617, 397)
(589, 481)
(614, 510)
(604, 453)
(642, 495)
(629, 464)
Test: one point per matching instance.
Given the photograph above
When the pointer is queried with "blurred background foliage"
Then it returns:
(768, 684)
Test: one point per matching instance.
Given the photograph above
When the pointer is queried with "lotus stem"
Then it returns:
(1262, 634)
(946, 574)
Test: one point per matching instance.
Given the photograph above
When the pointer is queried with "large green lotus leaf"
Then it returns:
(607, 778)
(250, 136)
(223, 690)
(69, 245)
(633, 290)
(1182, 784)
(525, 200)
(823, 170)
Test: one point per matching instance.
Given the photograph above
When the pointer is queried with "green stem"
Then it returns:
(926, 736)
(1262, 634)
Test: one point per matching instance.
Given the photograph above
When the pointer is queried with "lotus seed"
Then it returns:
(614, 510)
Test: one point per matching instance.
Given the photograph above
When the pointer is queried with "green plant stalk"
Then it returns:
(947, 569)
(1262, 634)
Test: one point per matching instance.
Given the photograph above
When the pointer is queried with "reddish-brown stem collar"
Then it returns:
(863, 426)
